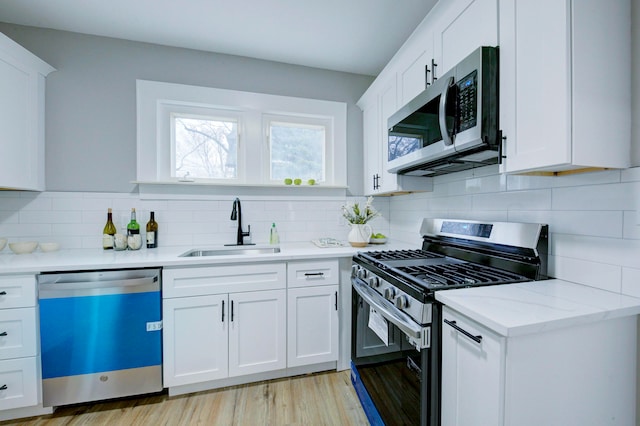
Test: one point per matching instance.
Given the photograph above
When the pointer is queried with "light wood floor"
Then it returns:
(317, 399)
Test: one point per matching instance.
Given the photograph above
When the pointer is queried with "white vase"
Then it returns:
(359, 234)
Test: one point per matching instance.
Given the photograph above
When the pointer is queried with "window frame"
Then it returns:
(156, 101)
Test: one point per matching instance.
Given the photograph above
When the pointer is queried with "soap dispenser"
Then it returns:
(273, 235)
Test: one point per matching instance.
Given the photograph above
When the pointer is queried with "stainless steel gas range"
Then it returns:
(396, 321)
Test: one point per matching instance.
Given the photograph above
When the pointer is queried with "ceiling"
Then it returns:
(357, 36)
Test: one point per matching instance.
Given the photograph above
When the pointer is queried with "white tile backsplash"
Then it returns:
(593, 217)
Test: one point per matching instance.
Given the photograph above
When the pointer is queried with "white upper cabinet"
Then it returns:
(22, 89)
(464, 26)
(565, 84)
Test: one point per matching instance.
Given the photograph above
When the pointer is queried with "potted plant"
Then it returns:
(358, 217)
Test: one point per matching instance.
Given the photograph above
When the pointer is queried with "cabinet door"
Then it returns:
(20, 382)
(22, 82)
(257, 332)
(17, 333)
(388, 99)
(472, 373)
(464, 26)
(195, 339)
(312, 325)
(371, 146)
(413, 76)
(535, 118)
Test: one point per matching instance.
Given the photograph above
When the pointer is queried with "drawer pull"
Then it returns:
(4, 333)
(3, 293)
(314, 274)
(3, 387)
(477, 339)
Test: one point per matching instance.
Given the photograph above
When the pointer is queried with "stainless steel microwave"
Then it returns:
(453, 124)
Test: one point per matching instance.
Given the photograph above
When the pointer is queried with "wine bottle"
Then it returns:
(133, 232)
(108, 232)
(152, 232)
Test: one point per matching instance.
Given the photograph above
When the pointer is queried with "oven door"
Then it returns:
(390, 375)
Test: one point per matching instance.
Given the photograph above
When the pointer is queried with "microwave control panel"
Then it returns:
(468, 101)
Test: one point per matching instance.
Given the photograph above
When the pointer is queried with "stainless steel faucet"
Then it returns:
(236, 214)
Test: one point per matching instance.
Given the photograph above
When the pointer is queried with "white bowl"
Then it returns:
(23, 247)
(3, 242)
(45, 247)
(377, 240)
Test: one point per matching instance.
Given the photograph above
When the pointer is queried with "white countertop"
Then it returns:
(532, 307)
(87, 259)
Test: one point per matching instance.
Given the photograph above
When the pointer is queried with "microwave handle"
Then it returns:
(442, 115)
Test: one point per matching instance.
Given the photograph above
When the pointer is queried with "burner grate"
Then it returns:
(384, 256)
(465, 274)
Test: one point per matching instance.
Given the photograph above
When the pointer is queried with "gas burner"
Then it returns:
(385, 256)
(457, 275)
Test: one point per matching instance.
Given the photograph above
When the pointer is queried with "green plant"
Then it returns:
(357, 215)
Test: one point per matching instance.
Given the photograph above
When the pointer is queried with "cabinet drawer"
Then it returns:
(323, 272)
(17, 291)
(18, 383)
(17, 333)
(223, 279)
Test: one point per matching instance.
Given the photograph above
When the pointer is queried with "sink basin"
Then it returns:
(230, 251)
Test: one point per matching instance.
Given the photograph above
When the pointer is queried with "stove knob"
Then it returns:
(401, 302)
(389, 293)
(354, 270)
(374, 282)
(363, 273)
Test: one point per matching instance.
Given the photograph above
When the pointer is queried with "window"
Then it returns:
(190, 133)
(204, 147)
(298, 149)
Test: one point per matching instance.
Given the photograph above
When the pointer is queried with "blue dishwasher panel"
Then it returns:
(93, 334)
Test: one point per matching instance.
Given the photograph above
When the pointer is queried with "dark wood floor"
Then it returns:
(317, 399)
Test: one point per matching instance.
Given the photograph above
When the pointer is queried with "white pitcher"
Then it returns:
(359, 234)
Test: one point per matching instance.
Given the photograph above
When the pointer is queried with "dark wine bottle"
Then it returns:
(108, 232)
(152, 232)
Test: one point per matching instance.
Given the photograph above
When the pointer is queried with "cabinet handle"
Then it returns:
(336, 300)
(502, 140)
(3, 334)
(433, 70)
(232, 311)
(3, 293)
(223, 311)
(314, 274)
(426, 75)
(477, 339)
(4, 387)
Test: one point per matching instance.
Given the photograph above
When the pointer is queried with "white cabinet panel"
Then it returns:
(257, 332)
(195, 339)
(312, 325)
(552, 114)
(22, 84)
(18, 383)
(17, 333)
(317, 272)
(17, 291)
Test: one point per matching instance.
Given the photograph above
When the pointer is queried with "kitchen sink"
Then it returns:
(230, 251)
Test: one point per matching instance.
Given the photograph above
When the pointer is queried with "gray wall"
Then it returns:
(91, 101)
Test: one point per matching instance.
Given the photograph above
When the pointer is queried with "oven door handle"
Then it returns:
(388, 311)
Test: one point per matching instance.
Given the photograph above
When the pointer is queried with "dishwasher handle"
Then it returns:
(98, 288)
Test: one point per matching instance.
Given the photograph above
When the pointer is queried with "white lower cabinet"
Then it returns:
(242, 321)
(471, 372)
(313, 302)
(236, 332)
(19, 363)
(581, 374)
(312, 325)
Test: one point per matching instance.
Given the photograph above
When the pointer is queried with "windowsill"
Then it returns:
(203, 190)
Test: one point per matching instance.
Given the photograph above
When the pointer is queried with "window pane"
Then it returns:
(297, 151)
(205, 148)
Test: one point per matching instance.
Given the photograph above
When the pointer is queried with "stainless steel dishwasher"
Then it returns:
(100, 334)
